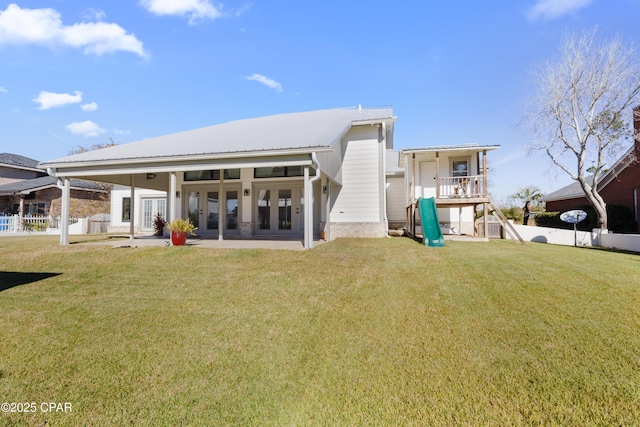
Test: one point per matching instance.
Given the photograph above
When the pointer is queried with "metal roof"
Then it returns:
(308, 130)
(473, 147)
(29, 185)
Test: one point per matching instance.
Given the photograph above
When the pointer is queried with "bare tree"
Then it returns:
(578, 115)
(98, 146)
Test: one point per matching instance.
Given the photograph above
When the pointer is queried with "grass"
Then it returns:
(355, 332)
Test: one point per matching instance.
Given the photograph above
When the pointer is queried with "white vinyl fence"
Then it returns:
(556, 236)
(18, 224)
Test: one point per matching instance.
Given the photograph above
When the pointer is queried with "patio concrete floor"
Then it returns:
(230, 243)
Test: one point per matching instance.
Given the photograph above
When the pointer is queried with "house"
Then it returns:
(26, 190)
(289, 175)
(456, 177)
(329, 173)
(620, 185)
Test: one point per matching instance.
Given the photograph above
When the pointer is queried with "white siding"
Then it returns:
(358, 199)
(395, 199)
(118, 193)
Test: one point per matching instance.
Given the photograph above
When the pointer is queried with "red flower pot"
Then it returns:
(178, 239)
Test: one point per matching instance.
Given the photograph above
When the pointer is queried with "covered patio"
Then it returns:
(274, 176)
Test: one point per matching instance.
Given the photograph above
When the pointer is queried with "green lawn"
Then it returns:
(355, 332)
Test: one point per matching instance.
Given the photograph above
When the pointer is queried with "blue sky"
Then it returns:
(79, 72)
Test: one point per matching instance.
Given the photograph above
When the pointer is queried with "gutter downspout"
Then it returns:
(383, 174)
(308, 195)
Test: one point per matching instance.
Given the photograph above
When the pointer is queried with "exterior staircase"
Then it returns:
(506, 225)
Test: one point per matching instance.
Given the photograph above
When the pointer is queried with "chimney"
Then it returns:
(636, 130)
(636, 124)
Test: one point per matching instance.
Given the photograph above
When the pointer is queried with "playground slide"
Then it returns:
(432, 235)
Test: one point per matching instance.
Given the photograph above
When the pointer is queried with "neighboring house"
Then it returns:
(18, 168)
(26, 190)
(456, 176)
(619, 186)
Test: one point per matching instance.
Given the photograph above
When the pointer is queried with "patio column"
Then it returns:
(172, 197)
(485, 182)
(21, 206)
(64, 214)
(485, 207)
(308, 237)
(221, 201)
(437, 175)
(132, 207)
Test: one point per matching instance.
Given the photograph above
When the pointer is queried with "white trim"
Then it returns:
(127, 170)
(185, 159)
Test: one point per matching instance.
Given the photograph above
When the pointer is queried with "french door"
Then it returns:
(279, 209)
(203, 210)
(151, 207)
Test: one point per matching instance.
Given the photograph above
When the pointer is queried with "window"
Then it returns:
(459, 168)
(211, 175)
(281, 172)
(36, 209)
(126, 209)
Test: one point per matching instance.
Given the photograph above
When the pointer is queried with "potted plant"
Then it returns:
(180, 229)
(158, 225)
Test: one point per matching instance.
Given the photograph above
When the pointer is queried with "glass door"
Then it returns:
(284, 209)
(279, 210)
(264, 210)
(212, 213)
(205, 212)
(150, 208)
(193, 208)
(232, 211)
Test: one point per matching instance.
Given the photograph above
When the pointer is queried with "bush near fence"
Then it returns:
(620, 219)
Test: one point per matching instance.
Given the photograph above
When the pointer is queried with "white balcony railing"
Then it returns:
(451, 187)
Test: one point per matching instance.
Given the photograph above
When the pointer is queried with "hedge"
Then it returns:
(620, 219)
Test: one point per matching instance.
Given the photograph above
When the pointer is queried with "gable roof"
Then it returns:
(30, 185)
(462, 149)
(308, 131)
(18, 162)
(574, 191)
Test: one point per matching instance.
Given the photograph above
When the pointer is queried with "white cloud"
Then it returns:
(86, 128)
(44, 27)
(551, 9)
(121, 132)
(92, 106)
(93, 14)
(3, 89)
(52, 100)
(195, 10)
(266, 81)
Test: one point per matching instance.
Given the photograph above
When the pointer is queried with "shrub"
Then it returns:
(513, 213)
(158, 224)
(620, 219)
(550, 219)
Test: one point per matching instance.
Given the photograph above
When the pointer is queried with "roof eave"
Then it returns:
(181, 158)
(26, 168)
(477, 148)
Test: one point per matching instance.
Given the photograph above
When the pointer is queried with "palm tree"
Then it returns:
(527, 195)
